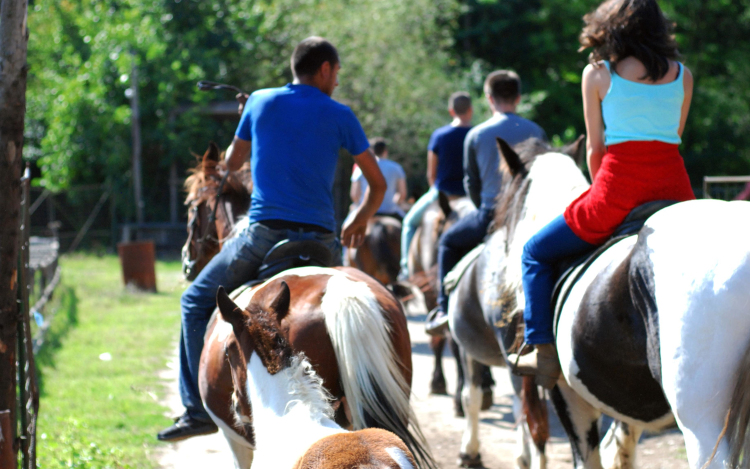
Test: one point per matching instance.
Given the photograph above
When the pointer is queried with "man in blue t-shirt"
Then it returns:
(296, 133)
(482, 179)
(444, 168)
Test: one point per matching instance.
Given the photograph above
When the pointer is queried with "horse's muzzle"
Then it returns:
(188, 265)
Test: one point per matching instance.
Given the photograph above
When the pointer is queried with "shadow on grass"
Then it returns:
(63, 321)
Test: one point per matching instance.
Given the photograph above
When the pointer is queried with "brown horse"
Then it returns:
(380, 251)
(216, 198)
(353, 332)
(283, 401)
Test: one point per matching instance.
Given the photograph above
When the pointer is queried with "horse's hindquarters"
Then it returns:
(700, 255)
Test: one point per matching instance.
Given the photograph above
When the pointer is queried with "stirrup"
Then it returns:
(514, 366)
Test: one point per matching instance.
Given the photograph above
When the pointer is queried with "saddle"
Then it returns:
(289, 254)
(573, 269)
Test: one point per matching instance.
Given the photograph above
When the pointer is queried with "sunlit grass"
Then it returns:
(96, 413)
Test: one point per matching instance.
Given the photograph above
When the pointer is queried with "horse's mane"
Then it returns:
(203, 183)
(510, 200)
(305, 385)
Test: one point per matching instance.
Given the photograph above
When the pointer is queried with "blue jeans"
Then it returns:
(457, 241)
(541, 253)
(237, 263)
(411, 222)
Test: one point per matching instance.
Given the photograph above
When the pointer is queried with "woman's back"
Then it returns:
(639, 109)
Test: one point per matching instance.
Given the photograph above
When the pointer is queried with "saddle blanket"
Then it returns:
(450, 282)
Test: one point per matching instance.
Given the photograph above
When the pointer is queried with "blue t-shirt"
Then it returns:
(392, 172)
(448, 144)
(296, 133)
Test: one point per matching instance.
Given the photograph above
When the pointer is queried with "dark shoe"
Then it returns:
(542, 363)
(436, 322)
(186, 426)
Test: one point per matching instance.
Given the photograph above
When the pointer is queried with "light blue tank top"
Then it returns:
(641, 112)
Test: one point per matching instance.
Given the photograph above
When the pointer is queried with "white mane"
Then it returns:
(306, 389)
(555, 181)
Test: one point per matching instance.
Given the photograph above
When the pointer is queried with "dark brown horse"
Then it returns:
(280, 396)
(351, 329)
(216, 199)
(380, 251)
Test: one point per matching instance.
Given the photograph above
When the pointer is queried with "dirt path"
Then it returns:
(435, 414)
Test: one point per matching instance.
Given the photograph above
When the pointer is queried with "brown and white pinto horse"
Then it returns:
(216, 199)
(282, 403)
(354, 335)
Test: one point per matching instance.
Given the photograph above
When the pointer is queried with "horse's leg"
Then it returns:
(580, 421)
(458, 408)
(472, 402)
(242, 452)
(438, 386)
(618, 445)
(529, 454)
(487, 384)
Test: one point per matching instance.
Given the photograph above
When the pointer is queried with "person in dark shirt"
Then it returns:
(481, 179)
(444, 168)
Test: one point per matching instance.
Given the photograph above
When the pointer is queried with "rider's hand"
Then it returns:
(242, 99)
(353, 232)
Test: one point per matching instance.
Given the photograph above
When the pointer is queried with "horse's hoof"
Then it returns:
(486, 399)
(438, 387)
(464, 460)
(522, 463)
(458, 411)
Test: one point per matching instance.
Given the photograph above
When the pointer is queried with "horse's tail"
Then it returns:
(380, 239)
(535, 411)
(376, 392)
(738, 419)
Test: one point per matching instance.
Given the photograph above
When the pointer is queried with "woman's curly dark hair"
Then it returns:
(622, 28)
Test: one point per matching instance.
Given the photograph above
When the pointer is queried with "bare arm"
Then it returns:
(594, 87)
(687, 82)
(237, 153)
(400, 194)
(353, 231)
(432, 166)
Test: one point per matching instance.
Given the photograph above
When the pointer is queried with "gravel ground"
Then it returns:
(443, 430)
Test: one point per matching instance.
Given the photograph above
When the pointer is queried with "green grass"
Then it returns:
(105, 414)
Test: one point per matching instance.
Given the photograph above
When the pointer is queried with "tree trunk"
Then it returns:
(13, 41)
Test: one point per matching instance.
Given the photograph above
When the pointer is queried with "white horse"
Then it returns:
(282, 400)
(656, 330)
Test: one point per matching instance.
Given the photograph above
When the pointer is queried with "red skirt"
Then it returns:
(631, 174)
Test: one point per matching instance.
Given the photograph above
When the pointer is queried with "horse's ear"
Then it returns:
(577, 150)
(445, 204)
(230, 311)
(509, 157)
(280, 303)
(212, 154)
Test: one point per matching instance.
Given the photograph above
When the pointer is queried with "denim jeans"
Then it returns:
(237, 263)
(541, 253)
(457, 241)
(411, 222)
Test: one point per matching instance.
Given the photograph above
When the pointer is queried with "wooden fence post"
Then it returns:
(14, 38)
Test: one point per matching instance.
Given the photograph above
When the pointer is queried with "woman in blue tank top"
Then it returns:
(636, 98)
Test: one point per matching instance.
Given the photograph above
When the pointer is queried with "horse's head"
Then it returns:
(256, 332)
(538, 183)
(216, 198)
(259, 343)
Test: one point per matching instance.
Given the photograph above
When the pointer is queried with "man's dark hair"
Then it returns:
(460, 102)
(378, 145)
(310, 54)
(503, 85)
(621, 28)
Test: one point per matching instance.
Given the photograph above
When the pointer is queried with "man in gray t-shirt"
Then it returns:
(482, 178)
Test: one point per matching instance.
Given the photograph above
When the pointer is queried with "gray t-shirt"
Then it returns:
(481, 159)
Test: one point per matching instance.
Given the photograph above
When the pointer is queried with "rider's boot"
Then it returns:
(542, 363)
